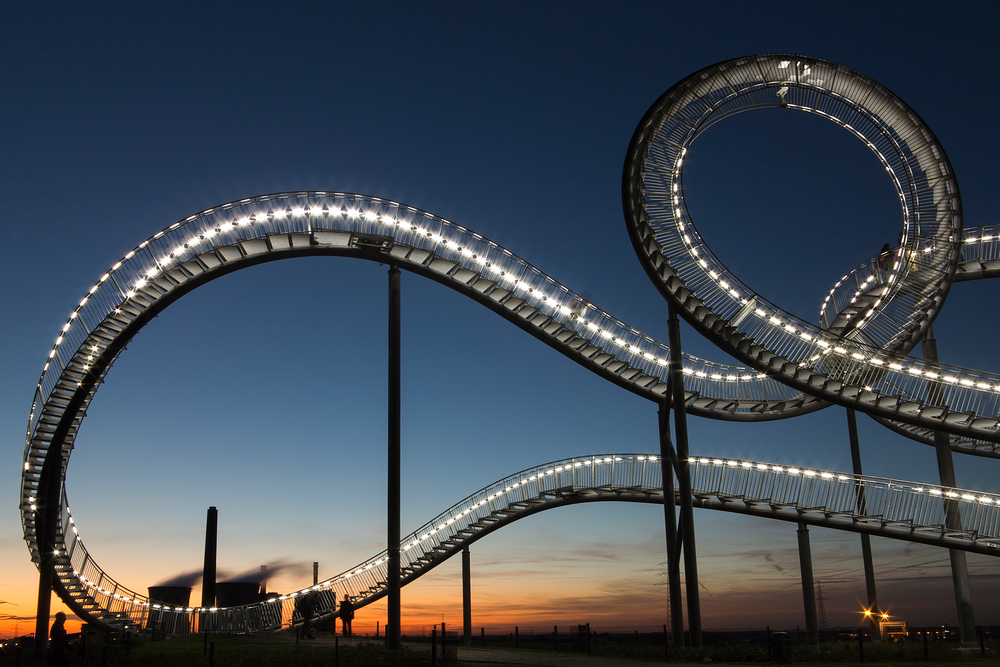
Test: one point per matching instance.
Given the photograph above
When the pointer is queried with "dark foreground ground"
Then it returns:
(284, 650)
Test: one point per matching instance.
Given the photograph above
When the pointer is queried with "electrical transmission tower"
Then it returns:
(821, 606)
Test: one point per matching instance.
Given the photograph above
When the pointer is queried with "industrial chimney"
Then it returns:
(211, 549)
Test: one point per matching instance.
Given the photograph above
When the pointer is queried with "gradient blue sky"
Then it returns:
(263, 392)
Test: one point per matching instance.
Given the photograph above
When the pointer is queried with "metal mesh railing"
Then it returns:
(888, 502)
(861, 369)
(237, 224)
(884, 504)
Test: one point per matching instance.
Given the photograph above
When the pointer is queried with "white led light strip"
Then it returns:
(617, 475)
(859, 360)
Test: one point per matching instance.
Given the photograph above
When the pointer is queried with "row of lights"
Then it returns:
(350, 213)
(174, 256)
(788, 327)
(781, 324)
(969, 240)
(546, 472)
(380, 561)
(372, 216)
(874, 276)
(514, 486)
(985, 238)
(499, 275)
(864, 286)
(145, 602)
(748, 465)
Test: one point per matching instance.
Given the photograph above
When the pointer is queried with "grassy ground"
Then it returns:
(239, 651)
(747, 653)
(282, 650)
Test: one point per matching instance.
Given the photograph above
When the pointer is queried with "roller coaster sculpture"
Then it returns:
(856, 356)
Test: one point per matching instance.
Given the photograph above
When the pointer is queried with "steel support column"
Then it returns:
(393, 493)
(866, 540)
(959, 564)
(46, 522)
(808, 587)
(668, 463)
(684, 480)
(466, 596)
(953, 519)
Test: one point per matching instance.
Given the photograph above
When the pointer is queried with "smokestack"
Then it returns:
(315, 573)
(263, 580)
(211, 549)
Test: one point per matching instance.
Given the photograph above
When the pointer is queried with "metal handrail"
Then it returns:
(893, 508)
(863, 369)
(796, 366)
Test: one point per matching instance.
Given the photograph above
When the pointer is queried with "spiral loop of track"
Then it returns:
(856, 358)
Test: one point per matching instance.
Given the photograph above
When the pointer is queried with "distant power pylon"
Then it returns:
(663, 573)
(821, 606)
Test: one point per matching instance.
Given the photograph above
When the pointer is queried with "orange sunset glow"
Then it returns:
(611, 579)
(344, 274)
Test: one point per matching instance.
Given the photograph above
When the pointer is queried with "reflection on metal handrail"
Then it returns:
(893, 508)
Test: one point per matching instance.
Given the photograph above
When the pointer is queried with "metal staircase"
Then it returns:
(888, 508)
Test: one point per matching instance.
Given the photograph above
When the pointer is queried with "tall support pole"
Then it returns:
(953, 519)
(466, 596)
(46, 522)
(808, 587)
(211, 558)
(393, 493)
(668, 463)
(866, 541)
(959, 564)
(684, 480)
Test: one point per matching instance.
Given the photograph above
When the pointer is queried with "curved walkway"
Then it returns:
(889, 508)
(855, 358)
(857, 361)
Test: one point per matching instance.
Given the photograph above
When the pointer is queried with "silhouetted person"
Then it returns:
(346, 615)
(306, 606)
(59, 643)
